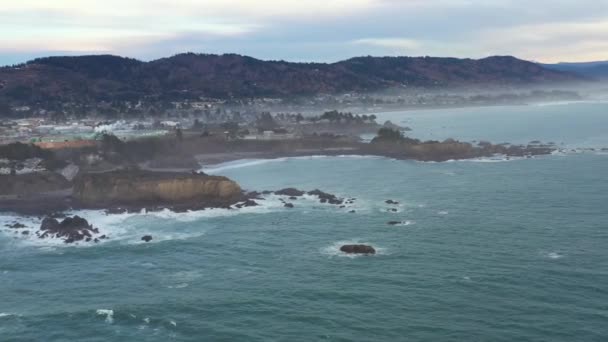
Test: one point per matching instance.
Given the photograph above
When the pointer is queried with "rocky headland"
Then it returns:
(137, 189)
(154, 173)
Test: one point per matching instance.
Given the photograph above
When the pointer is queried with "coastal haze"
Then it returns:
(345, 187)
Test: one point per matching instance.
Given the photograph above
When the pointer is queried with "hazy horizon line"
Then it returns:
(68, 54)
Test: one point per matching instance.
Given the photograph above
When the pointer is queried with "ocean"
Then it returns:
(487, 250)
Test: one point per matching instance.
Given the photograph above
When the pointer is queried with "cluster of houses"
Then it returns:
(76, 133)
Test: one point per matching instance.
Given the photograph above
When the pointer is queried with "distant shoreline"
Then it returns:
(437, 107)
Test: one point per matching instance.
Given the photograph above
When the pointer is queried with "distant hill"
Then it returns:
(596, 70)
(112, 78)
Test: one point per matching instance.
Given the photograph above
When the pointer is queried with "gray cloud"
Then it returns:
(296, 30)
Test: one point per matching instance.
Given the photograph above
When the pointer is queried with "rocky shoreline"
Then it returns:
(125, 186)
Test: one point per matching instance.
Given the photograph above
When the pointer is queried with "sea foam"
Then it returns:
(241, 163)
(108, 313)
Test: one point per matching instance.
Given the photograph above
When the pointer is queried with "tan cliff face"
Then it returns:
(129, 187)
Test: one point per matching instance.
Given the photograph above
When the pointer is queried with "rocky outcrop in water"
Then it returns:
(145, 189)
(247, 203)
(292, 192)
(324, 197)
(358, 249)
(70, 230)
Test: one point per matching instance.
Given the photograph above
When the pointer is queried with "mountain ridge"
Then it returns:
(190, 76)
(594, 70)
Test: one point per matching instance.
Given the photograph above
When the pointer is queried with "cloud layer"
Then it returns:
(311, 30)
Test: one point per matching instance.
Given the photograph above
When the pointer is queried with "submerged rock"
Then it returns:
(292, 192)
(394, 223)
(358, 249)
(391, 202)
(289, 205)
(15, 225)
(146, 238)
(247, 203)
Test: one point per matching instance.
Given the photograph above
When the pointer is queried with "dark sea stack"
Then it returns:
(358, 249)
(146, 238)
(289, 205)
(292, 192)
(71, 229)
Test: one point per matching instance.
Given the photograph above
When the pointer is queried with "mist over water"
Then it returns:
(489, 251)
(566, 124)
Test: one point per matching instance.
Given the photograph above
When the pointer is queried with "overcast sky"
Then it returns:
(306, 30)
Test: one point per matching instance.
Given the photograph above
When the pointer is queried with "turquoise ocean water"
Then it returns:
(489, 250)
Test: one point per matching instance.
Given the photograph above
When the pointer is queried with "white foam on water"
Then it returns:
(108, 313)
(567, 103)
(405, 223)
(146, 320)
(443, 212)
(237, 164)
(128, 227)
(241, 163)
(5, 314)
(493, 159)
(173, 323)
(181, 279)
(333, 250)
(554, 255)
(391, 210)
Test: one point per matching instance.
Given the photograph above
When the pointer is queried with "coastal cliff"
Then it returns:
(32, 183)
(141, 188)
